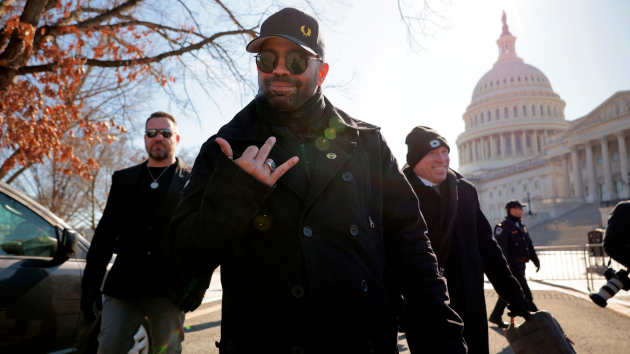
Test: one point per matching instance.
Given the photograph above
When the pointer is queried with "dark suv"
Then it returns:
(41, 264)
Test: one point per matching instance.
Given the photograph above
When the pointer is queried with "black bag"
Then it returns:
(541, 334)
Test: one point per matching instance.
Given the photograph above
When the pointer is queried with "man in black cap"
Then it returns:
(303, 242)
(460, 236)
(518, 249)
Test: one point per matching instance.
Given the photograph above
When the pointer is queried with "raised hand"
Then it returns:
(254, 161)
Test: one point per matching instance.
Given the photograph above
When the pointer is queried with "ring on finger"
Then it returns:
(271, 164)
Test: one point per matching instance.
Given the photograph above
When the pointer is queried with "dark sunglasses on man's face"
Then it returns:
(296, 62)
(152, 133)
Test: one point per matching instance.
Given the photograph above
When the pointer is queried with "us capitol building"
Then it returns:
(517, 143)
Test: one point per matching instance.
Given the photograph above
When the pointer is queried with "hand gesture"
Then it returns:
(255, 162)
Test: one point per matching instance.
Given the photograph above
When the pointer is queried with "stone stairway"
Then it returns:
(568, 229)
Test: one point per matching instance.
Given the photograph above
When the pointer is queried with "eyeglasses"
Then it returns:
(152, 133)
(296, 62)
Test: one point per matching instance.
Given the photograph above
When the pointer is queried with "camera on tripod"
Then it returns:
(616, 281)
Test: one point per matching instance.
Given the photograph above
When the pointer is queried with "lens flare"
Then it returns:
(335, 123)
(262, 222)
(330, 133)
(322, 143)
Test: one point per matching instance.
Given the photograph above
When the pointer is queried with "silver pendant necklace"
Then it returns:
(155, 183)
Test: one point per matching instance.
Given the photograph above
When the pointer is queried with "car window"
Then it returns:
(24, 233)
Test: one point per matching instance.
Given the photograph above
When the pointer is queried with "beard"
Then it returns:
(159, 155)
(284, 101)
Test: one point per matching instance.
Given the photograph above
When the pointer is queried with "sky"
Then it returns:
(583, 47)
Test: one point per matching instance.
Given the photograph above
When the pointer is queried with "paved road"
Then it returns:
(593, 329)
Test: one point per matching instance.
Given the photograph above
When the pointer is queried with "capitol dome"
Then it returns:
(513, 114)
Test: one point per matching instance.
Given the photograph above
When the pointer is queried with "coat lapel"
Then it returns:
(176, 186)
(325, 169)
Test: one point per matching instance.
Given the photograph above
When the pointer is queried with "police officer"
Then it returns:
(512, 236)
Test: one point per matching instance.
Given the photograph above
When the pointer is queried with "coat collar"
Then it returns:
(246, 125)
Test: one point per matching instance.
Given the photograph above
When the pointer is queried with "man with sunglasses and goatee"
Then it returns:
(143, 282)
(304, 207)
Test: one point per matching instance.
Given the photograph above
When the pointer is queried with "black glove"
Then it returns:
(89, 298)
(537, 264)
(519, 307)
(191, 297)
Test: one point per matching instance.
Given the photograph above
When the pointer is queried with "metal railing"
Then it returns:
(574, 263)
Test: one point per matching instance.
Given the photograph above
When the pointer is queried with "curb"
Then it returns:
(581, 291)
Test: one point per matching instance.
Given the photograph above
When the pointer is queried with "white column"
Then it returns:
(484, 148)
(623, 162)
(503, 146)
(535, 143)
(513, 143)
(608, 181)
(470, 151)
(493, 148)
(552, 178)
(565, 176)
(577, 173)
(592, 178)
(546, 138)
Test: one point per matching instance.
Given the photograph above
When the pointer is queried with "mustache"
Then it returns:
(290, 80)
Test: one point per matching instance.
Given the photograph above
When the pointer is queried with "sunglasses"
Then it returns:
(152, 133)
(296, 62)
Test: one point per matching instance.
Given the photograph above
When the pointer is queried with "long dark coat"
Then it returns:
(302, 264)
(141, 244)
(473, 252)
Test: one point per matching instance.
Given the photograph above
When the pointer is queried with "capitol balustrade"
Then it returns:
(521, 166)
(506, 122)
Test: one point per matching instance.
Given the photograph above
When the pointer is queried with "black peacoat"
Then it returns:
(302, 263)
(473, 251)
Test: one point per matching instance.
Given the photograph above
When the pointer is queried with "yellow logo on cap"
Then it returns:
(331, 156)
(306, 33)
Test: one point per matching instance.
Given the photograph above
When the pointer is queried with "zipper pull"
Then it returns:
(371, 222)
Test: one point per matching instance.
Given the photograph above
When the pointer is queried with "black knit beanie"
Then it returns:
(420, 141)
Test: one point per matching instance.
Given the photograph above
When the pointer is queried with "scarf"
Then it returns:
(441, 236)
(299, 120)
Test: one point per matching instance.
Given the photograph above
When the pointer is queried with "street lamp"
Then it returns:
(529, 205)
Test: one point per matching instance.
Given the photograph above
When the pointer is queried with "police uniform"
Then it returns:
(518, 249)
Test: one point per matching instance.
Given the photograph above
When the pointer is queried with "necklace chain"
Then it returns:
(151, 174)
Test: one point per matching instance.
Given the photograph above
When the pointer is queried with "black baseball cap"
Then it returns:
(513, 204)
(293, 25)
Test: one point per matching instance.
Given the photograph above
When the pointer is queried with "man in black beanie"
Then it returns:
(461, 238)
(518, 249)
(303, 242)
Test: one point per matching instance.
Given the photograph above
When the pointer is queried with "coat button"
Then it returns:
(347, 176)
(298, 291)
(354, 230)
(517, 244)
(307, 231)
(364, 285)
(149, 253)
(523, 238)
(527, 248)
(297, 350)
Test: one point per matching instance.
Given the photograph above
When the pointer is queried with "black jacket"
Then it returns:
(617, 240)
(472, 252)
(140, 244)
(515, 242)
(302, 264)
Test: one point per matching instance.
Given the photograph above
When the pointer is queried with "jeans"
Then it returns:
(121, 318)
